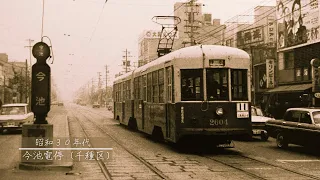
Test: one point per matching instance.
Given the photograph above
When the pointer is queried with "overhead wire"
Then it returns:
(174, 10)
(208, 35)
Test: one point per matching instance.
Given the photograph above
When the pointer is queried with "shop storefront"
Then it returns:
(298, 43)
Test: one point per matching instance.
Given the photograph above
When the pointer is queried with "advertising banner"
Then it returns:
(156, 34)
(250, 36)
(297, 22)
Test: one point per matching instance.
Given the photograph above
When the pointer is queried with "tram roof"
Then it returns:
(210, 51)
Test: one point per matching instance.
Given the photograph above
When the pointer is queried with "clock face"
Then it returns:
(41, 51)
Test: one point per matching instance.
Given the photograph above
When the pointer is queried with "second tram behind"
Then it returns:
(197, 91)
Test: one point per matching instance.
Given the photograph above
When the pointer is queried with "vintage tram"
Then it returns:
(197, 91)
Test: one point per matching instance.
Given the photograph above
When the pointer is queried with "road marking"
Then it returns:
(298, 160)
(76, 149)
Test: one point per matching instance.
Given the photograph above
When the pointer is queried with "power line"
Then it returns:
(94, 30)
(208, 35)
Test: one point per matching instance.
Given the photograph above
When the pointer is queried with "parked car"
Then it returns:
(258, 120)
(299, 126)
(13, 116)
(95, 105)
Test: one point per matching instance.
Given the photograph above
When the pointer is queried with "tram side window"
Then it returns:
(239, 84)
(149, 86)
(169, 83)
(155, 88)
(117, 92)
(129, 89)
(124, 91)
(136, 88)
(114, 92)
(120, 91)
(140, 87)
(217, 84)
(161, 85)
(144, 84)
(191, 85)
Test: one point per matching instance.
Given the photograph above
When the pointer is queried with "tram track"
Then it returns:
(101, 164)
(256, 168)
(254, 165)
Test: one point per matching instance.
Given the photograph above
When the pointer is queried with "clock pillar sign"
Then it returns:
(40, 92)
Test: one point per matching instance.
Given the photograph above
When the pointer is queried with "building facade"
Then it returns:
(259, 40)
(297, 44)
(13, 84)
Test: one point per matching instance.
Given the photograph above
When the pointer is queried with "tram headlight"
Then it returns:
(219, 111)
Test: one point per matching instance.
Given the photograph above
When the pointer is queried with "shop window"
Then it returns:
(302, 74)
(289, 60)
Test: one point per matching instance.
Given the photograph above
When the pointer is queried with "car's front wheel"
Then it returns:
(264, 136)
(281, 141)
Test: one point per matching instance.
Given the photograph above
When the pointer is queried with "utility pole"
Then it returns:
(126, 62)
(191, 24)
(88, 97)
(92, 89)
(29, 68)
(99, 87)
(107, 72)
(4, 85)
(190, 21)
(27, 82)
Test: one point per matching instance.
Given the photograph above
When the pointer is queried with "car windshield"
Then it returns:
(256, 111)
(316, 117)
(13, 110)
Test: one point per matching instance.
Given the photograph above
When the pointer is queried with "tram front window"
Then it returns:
(191, 85)
(217, 84)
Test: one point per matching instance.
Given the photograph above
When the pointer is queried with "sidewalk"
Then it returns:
(59, 169)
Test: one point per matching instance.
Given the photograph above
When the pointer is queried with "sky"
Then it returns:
(87, 35)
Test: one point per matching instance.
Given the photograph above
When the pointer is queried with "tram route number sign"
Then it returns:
(40, 96)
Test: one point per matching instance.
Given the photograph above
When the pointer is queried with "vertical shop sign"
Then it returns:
(270, 73)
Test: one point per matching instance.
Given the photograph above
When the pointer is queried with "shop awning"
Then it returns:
(290, 88)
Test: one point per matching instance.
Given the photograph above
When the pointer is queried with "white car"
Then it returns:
(13, 116)
(258, 120)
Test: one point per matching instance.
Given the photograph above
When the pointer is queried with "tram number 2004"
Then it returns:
(218, 122)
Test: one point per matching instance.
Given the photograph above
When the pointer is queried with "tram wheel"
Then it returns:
(132, 124)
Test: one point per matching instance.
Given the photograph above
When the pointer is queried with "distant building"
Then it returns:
(210, 32)
(148, 44)
(183, 10)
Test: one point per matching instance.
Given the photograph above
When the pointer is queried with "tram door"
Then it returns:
(169, 107)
